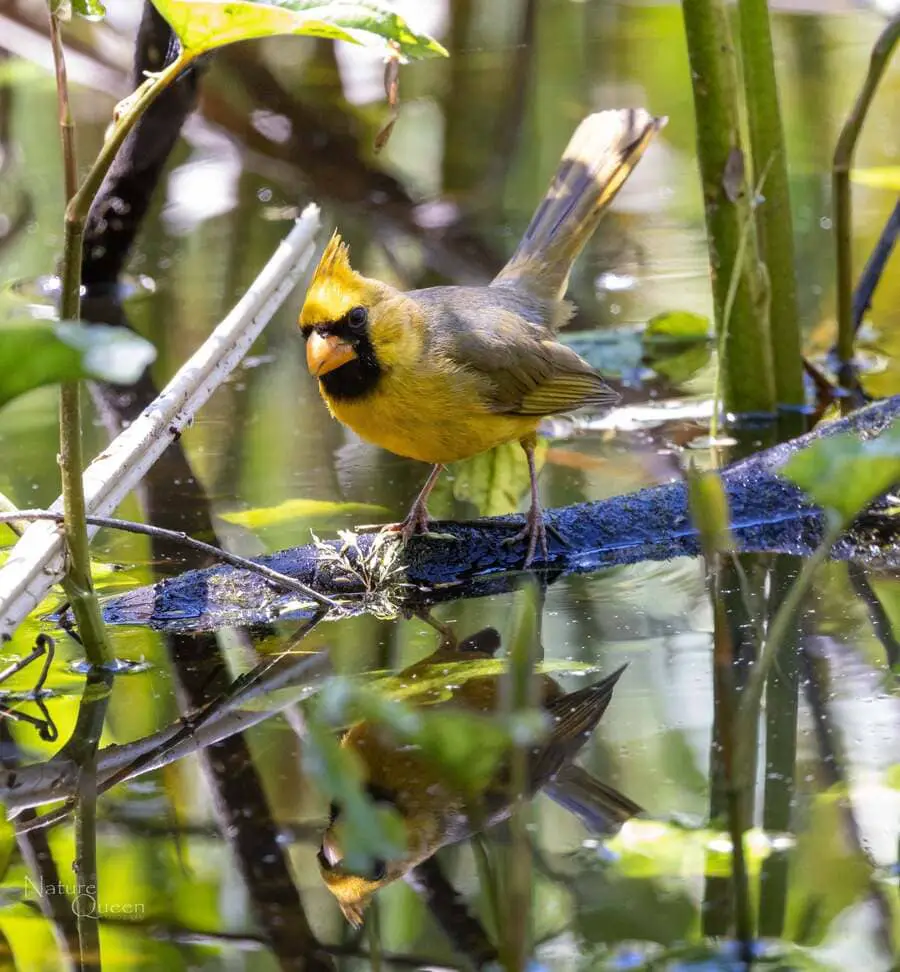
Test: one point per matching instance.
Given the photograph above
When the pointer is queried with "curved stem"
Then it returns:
(840, 179)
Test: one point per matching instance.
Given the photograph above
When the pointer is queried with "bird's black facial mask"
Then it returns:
(358, 377)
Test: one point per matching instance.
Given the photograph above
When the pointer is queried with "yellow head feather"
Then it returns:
(335, 286)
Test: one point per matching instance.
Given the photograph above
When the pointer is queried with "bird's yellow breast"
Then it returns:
(430, 415)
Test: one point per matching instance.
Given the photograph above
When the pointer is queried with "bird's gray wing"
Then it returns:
(524, 371)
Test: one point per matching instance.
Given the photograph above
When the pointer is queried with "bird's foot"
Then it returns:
(416, 522)
(404, 530)
(535, 532)
(415, 525)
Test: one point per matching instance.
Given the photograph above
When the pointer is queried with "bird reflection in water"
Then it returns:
(434, 812)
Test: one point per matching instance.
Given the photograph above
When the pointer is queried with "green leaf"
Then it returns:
(300, 509)
(89, 9)
(709, 511)
(844, 473)
(35, 353)
(676, 327)
(438, 682)
(495, 482)
(203, 25)
(679, 363)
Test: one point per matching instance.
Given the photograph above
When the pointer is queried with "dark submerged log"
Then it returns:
(768, 514)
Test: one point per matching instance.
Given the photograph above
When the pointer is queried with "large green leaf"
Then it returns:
(89, 9)
(202, 25)
(35, 353)
(300, 509)
(676, 327)
(844, 473)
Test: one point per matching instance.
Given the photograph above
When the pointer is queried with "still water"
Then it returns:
(203, 863)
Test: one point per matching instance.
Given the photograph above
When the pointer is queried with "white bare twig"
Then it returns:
(36, 561)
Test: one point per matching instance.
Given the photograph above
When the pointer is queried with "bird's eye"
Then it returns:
(357, 317)
(379, 870)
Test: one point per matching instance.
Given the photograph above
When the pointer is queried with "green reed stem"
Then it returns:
(77, 583)
(749, 386)
(774, 222)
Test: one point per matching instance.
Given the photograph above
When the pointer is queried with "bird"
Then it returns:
(445, 373)
(434, 812)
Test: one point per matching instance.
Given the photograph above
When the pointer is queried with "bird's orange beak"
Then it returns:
(325, 353)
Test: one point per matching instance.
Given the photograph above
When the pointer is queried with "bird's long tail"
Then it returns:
(601, 808)
(598, 159)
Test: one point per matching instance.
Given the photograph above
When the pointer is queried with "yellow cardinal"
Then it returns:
(445, 373)
(434, 813)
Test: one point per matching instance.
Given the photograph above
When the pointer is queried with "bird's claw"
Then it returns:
(535, 532)
(415, 524)
(403, 531)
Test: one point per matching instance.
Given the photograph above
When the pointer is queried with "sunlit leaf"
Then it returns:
(709, 511)
(300, 509)
(36, 353)
(202, 25)
(844, 473)
(440, 681)
(7, 846)
(657, 849)
(90, 9)
(676, 327)
(878, 177)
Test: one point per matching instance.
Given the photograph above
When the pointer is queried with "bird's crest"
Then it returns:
(335, 286)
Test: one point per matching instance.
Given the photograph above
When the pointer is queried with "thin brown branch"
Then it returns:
(179, 536)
